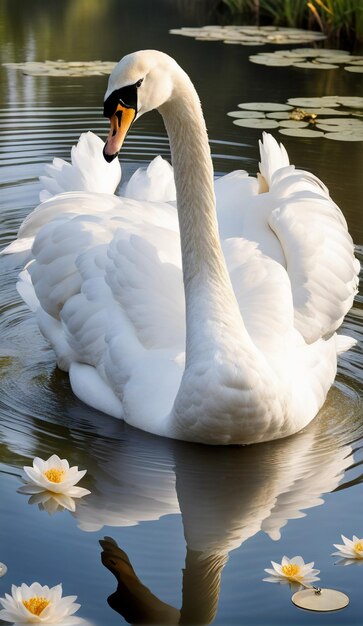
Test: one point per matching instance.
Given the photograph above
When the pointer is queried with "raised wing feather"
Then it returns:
(318, 251)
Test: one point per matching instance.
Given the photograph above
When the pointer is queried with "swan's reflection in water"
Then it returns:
(225, 496)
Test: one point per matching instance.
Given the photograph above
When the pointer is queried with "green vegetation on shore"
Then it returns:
(339, 19)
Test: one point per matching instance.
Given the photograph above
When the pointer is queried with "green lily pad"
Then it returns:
(256, 123)
(300, 132)
(293, 124)
(345, 136)
(316, 66)
(357, 69)
(246, 114)
(265, 106)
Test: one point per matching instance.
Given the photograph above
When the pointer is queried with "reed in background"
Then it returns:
(338, 19)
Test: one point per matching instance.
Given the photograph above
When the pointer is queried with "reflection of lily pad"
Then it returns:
(300, 132)
(256, 123)
(265, 106)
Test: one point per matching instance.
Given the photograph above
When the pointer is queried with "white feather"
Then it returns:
(250, 354)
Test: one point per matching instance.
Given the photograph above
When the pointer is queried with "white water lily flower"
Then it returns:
(37, 604)
(3, 569)
(293, 570)
(351, 548)
(56, 476)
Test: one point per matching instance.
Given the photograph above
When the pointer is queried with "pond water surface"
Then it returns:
(198, 524)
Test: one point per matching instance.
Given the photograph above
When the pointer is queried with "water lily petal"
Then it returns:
(78, 492)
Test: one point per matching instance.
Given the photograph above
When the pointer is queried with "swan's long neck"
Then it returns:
(212, 313)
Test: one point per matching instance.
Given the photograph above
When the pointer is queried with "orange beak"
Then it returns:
(121, 121)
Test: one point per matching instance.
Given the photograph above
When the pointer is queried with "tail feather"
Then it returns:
(344, 343)
(273, 157)
(88, 170)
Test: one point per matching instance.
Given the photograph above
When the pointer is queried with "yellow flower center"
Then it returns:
(36, 605)
(358, 547)
(291, 570)
(55, 475)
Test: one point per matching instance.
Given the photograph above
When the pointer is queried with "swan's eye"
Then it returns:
(139, 82)
(126, 96)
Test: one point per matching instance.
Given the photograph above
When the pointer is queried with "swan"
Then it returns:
(213, 330)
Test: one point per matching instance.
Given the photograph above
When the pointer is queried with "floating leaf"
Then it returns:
(246, 114)
(345, 136)
(63, 68)
(250, 35)
(293, 124)
(265, 106)
(342, 121)
(335, 59)
(273, 62)
(337, 128)
(357, 69)
(316, 66)
(355, 102)
(314, 102)
(325, 111)
(256, 123)
(279, 115)
(300, 132)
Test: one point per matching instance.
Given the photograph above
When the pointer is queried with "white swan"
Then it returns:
(257, 353)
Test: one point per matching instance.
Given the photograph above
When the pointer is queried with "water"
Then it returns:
(164, 502)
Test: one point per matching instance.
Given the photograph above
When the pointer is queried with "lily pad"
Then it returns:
(278, 115)
(342, 121)
(354, 102)
(300, 132)
(345, 136)
(293, 124)
(273, 62)
(256, 123)
(357, 69)
(265, 106)
(246, 114)
(64, 68)
(325, 111)
(316, 66)
(250, 35)
(333, 59)
(314, 102)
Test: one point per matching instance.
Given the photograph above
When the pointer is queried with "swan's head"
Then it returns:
(140, 82)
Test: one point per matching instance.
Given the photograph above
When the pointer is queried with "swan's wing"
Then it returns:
(88, 170)
(318, 249)
(110, 245)
(145, 276)
(154, 183)
(263, 293)
(233, 194)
